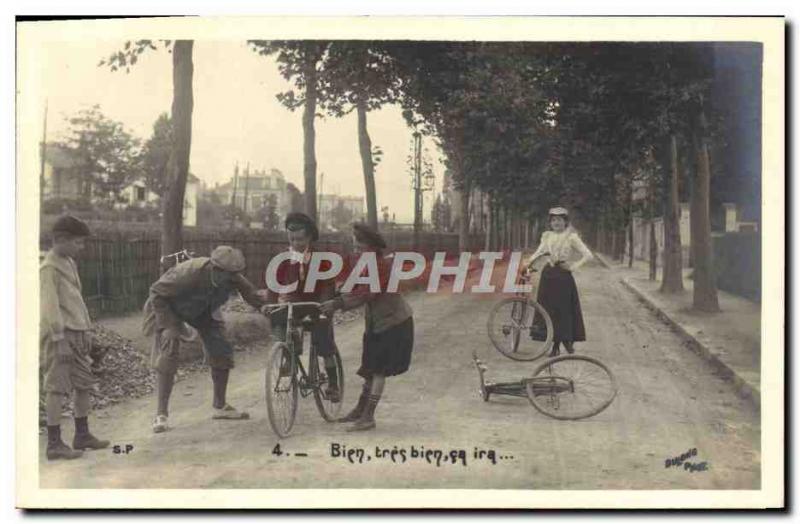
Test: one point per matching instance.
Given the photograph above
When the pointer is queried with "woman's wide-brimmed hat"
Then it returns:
(367, 235)
(558, 212)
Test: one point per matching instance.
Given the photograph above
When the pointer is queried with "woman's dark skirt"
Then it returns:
(558, 294)
(388, 353)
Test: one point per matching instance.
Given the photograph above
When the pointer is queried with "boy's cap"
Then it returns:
(369, 236)
(71, 225)
(559, 211)
(297, 220)
(228, 258)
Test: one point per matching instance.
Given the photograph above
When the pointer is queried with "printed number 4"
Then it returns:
(277, 450)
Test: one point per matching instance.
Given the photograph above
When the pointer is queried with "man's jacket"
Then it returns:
(191, 290)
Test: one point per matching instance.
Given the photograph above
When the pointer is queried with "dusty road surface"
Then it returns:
(670, 401)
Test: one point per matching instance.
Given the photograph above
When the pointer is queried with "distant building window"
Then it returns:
(140, 194)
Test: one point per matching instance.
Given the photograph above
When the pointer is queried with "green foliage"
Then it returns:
(536, 124)
(293, 57)
(129, 55)
(353, 71)
(155, 154)
(106, 155)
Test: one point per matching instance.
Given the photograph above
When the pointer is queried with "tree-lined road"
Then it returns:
(670, 401)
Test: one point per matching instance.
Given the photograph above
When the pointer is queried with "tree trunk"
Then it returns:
(463, 226)
(495, 225)
(613, 251)
(489, 225)
(365, 149)
(178, 164)
(630, 229)
(309, 136)
(705, 289)
(672, 276)
(653, 249)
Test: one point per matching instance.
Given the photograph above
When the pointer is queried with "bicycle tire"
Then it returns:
(281, 415)
(327, 409)
(543, 401)
(509, 346)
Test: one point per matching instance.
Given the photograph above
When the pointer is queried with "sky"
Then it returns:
(236, 117)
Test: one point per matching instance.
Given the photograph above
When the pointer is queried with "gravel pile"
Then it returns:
(124, 372)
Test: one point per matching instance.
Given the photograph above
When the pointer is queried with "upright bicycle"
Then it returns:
(287, 379)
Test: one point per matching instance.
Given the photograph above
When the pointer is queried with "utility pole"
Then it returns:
(417, 185)
(43, 153)
(319, 199)
(246, 188)
(233, 194)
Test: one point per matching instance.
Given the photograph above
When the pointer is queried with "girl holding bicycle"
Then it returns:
(389, 334)
(557, 291)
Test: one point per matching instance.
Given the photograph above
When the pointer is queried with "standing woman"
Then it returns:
(557, 292)
(388, 335)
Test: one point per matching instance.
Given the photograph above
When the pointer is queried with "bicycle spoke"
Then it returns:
(572, 387)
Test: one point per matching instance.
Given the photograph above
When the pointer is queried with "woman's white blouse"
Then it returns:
(561, 245)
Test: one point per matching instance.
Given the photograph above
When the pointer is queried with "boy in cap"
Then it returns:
(192, 292)
(65, 340)
(302, 233)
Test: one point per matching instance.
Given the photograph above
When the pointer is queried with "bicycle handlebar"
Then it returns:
(269, 309)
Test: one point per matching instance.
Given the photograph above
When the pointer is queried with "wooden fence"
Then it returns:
(118, 266)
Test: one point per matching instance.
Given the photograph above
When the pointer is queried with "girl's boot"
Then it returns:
(355, 413)
(367, 419)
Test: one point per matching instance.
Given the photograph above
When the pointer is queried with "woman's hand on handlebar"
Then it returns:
(327, 308)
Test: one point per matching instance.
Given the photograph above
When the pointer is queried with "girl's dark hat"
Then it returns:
(296, 221)
(367, 235)
(72, 226)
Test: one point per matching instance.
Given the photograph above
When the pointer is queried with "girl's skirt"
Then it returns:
(558, 294)
(388, 353)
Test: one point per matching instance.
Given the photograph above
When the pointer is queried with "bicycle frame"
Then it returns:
(550, 385)
(297, 333)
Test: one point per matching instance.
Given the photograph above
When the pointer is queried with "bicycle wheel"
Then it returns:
(571, 387)
(326, 406)
(509, 325)
(281, 388)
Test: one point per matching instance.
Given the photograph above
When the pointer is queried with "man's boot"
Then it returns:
(355, 413)
(570, 348)
(56, 448)
(83, 438)
(332, 390)
(367, 419)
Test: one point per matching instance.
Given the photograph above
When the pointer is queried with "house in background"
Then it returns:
(61, 178)
(331, 205)
(137, 194)
(254, 190)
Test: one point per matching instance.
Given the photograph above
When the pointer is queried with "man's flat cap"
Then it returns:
(71, 225)
(228, 258)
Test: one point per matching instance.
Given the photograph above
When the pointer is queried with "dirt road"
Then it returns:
(669, 402)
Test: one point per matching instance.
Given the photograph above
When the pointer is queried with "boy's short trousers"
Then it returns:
(321, 333)
(63, 377)
(165, 352)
